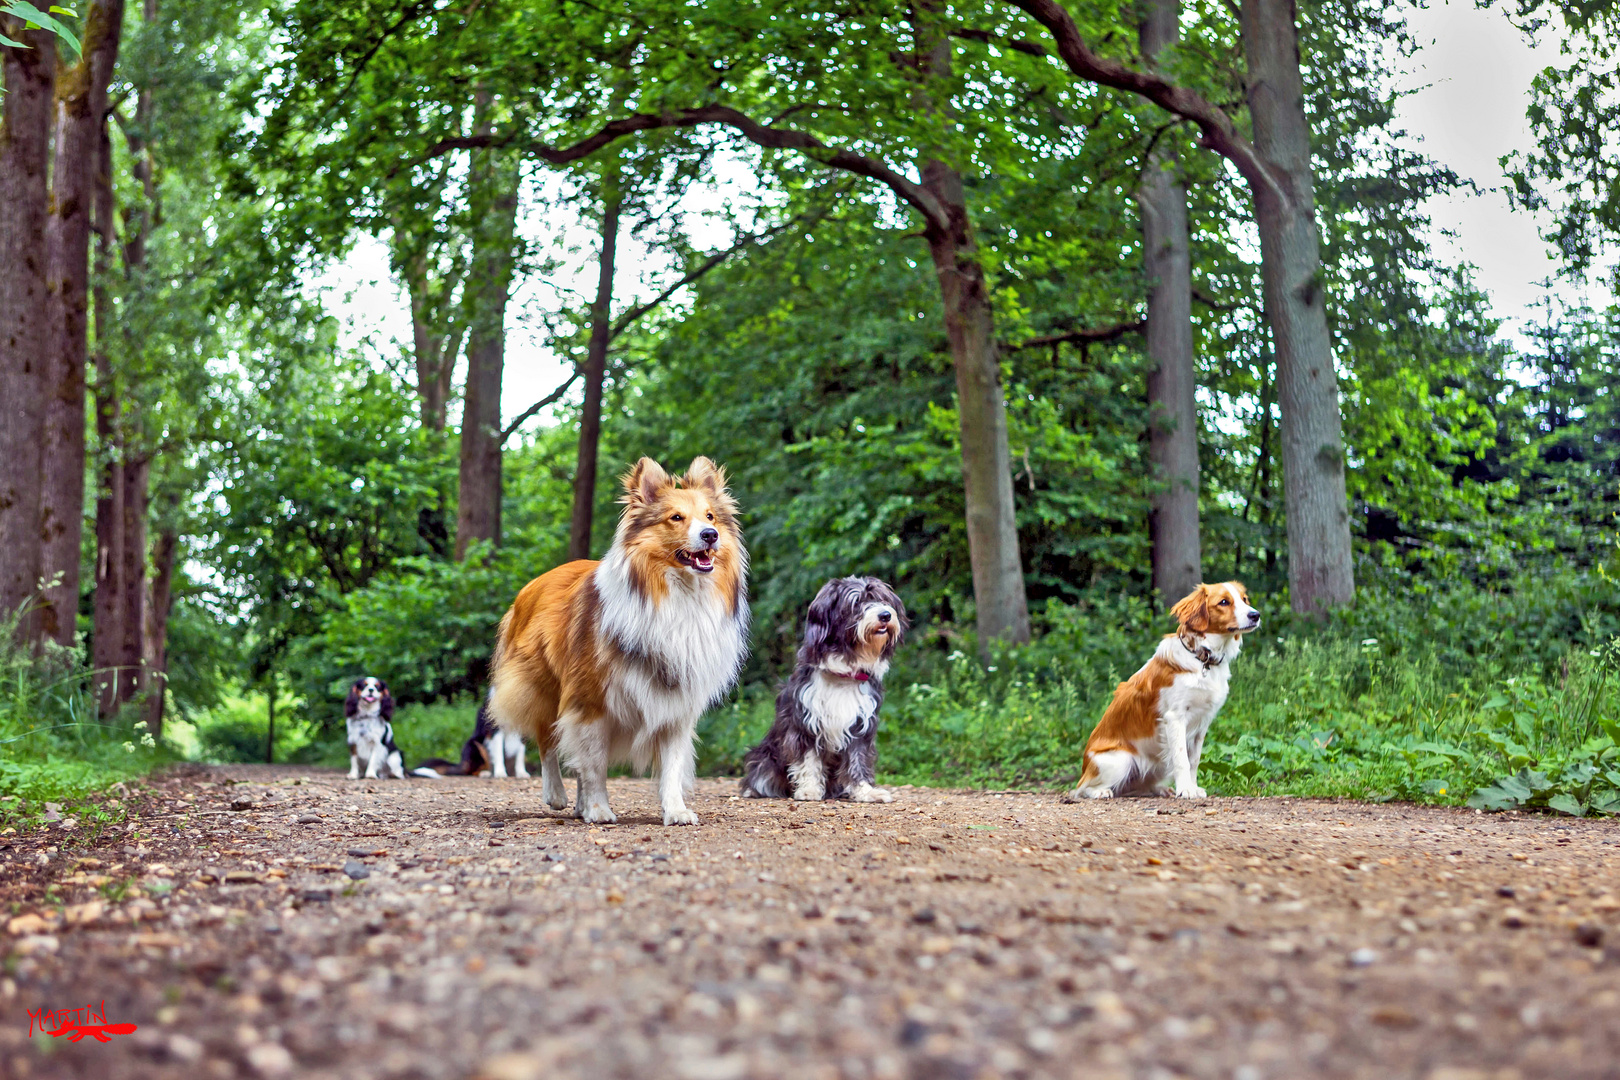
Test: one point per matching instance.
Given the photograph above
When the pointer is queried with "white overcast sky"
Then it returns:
(1471, 84)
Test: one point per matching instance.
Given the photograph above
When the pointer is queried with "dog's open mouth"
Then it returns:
(880, 630)
(701, 561)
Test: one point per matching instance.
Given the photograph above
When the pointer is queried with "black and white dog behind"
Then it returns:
(823, 744)
(489, 748)
(370, 712)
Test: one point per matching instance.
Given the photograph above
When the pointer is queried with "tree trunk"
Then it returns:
(81, 106)
(159, 605)
(107, 631)
(1321, 571)
(992, 528)
(489, 282)
(1172, 382)
(25, 338)
(590, 416)
(270, 725)
(132, 578)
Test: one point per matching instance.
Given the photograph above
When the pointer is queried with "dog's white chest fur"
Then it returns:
(839, 707)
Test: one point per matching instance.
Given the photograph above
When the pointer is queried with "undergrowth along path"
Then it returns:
(269, 922)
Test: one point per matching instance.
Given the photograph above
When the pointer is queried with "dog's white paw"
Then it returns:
(354, 774)
(808, 795)
(869, 794)
(557, 802)
(1194, 792)
(599, 814)
(683, 816)
(750, 793)
(1093, 793)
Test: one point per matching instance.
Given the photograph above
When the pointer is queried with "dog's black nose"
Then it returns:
(884, 616)
(710, 536)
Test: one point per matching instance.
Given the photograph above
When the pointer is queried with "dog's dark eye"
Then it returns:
(676, 517)
(1226, 603)
(709, 516)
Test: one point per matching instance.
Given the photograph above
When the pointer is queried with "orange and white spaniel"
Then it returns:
(1152, 734)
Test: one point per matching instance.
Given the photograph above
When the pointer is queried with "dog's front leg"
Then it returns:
(495, 746)
(379, 757)
(591, 804)
(809, 777)
(354, 762)
(1175, 737)
(552, 788)
(1194, 753)
(675, 768)
(858, 772)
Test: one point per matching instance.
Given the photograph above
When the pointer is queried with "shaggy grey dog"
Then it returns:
(823, 744)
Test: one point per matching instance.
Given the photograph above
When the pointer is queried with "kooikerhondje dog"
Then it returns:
(610, 661)
(488, 748)
(1152, 734)
(824, 741)
(369, 711)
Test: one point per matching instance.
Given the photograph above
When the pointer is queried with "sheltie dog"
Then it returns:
(369, 710)
(487, 749)
(614, 661)
(824, 741)
(1152, 734)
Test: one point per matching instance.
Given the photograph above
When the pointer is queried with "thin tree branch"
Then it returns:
(1210, 302)
(549, 399)
(622, 323)
(1089, 336)
(760, 134)
(1016, 44)
(1217, 130)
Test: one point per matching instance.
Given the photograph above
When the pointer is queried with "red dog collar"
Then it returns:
(858, 676)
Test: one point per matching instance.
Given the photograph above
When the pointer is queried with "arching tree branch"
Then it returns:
(1090, 336)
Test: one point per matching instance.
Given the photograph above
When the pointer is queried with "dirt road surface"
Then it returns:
(950, 934)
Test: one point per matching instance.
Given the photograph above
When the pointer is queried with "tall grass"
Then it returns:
(1407, 695)
(52, 747)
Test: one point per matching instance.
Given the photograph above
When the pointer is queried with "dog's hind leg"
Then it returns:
(515, 747)
(1106, 775)
(552, 788)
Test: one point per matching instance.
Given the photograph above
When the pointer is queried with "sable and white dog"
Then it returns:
(824, 741)
(370, 713)
(1152, 734)
(610, 661)
(487, 749)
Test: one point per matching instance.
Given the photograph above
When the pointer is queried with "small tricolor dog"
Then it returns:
(1152, 734)
(824, 741)
(611, 661)
(487, 749)
(370, 713)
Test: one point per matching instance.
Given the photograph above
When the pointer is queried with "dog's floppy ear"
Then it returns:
(644, 481)
(387, 701)
(820, 622)
(351, 704)
(707, 475)
(1193, 610)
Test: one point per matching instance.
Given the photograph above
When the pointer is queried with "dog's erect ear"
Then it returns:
(644, 481)
(1193, 610)
(707, 475)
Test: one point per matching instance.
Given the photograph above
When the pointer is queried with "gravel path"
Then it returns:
(950, 934)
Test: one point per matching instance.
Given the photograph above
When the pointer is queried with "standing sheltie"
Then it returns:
(614, 661)
(824, 741)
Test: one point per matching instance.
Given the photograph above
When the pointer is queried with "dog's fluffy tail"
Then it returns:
(474, 758)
